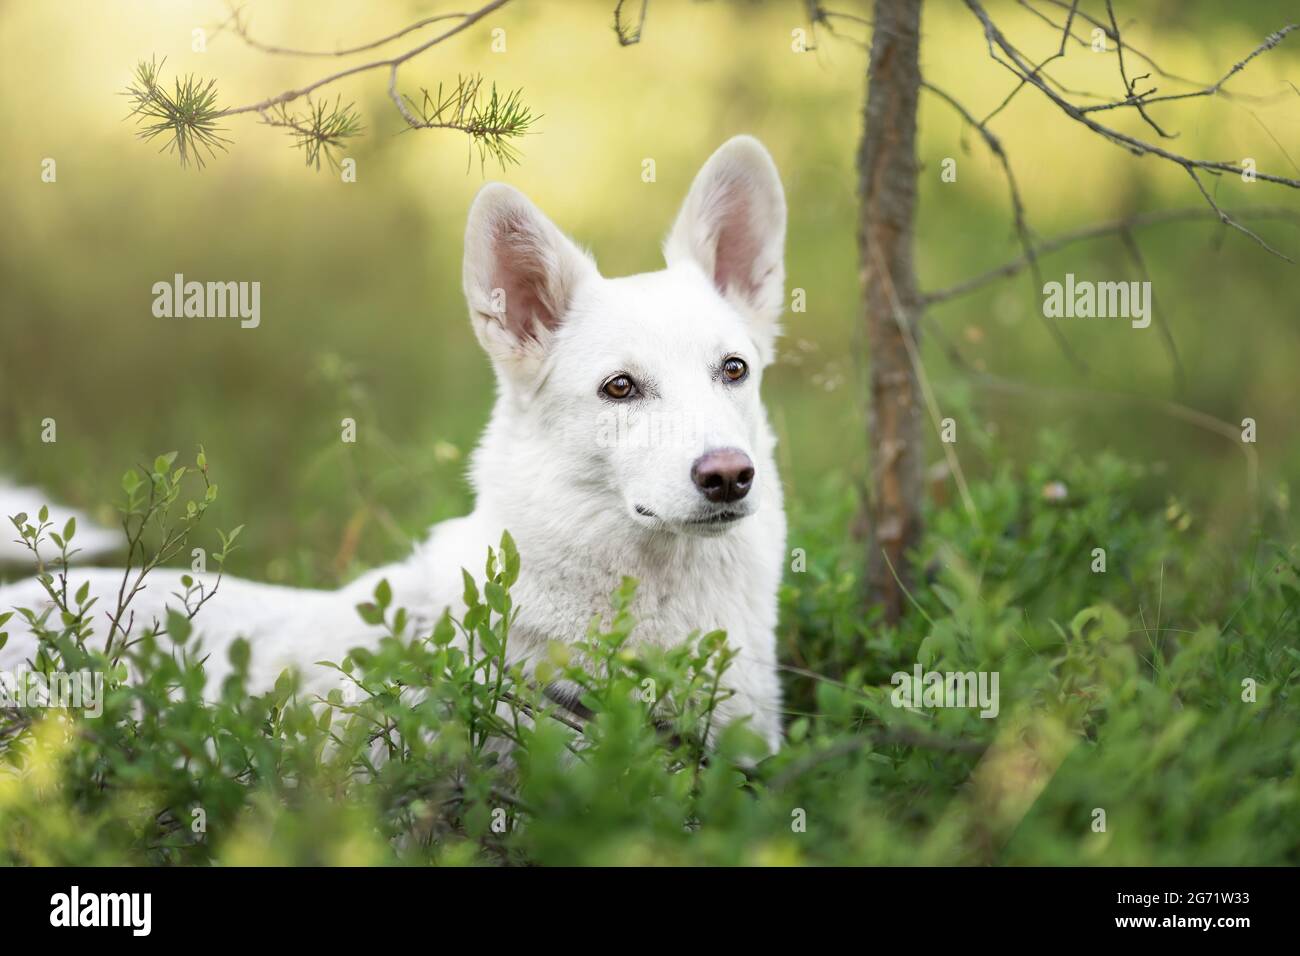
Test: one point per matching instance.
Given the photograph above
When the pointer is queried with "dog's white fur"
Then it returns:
(583, 511)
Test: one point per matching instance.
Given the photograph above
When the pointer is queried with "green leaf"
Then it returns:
(798, 730)
(444, 632)
(471, 589)
(370, 612)
(178, 626)
(497, 598)
(487, 639)
(283, 688)
(511, 558)
(475, 616)
(383, 593)
(239, 654)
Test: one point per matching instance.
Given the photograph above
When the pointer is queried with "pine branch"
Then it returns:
(491, 121)
(188, 117)
(321, 129)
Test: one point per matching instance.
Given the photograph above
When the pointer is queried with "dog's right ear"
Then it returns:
(520, 275)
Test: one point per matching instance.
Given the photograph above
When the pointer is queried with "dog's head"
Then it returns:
(647, 386)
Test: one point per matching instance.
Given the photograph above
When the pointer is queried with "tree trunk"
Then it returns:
(887, 200)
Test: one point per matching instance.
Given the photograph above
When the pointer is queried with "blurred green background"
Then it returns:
(362, 313)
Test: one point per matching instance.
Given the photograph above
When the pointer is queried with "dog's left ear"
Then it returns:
(732, 225)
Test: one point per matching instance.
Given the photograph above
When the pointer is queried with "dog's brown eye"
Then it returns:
(735, 369)
(619, 387)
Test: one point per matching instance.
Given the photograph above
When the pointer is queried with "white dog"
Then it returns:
(628, 438)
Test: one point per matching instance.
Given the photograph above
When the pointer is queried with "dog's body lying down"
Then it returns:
(628, 439)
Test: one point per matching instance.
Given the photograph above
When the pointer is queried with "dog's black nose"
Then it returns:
(723, 475)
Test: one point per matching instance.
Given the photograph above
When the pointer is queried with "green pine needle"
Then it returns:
(323, 129)
(491, 120)
(186, 118)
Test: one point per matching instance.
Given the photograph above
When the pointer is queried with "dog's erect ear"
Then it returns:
(732, 225)
(520, 275)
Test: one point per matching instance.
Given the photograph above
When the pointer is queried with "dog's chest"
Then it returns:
(682, 588)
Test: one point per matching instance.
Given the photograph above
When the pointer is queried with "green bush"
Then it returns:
(1125, 692)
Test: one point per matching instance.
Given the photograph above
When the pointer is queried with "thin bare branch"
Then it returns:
(1112, 227)
(1017, 64)
(1228, 220)
(1186, 413)
(1130, 86)
(1017, 212)
(1157, 311)
(391, 62)
(821, 18)
(628, 35)
(241, 28)
(1140, 101)
(1069, 21)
